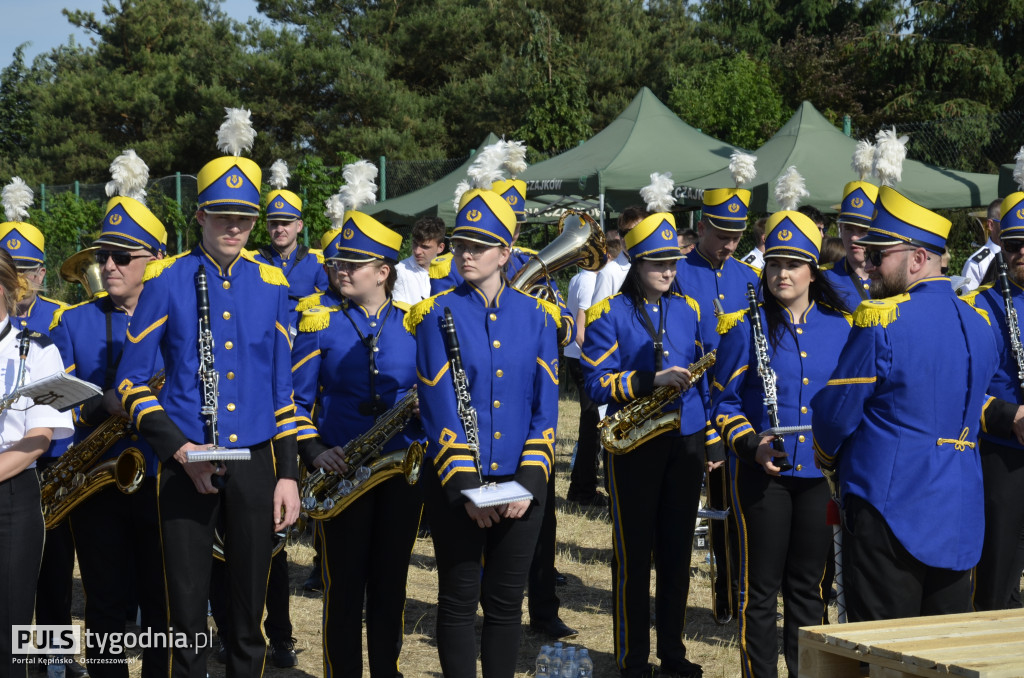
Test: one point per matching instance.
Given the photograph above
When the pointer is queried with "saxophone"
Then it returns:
(72, 479)
(642, 419)
(325, 494)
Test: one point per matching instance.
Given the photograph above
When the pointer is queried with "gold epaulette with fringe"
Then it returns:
(827, 267)
(727, 321)
(599, 309)
(158, 266)
(319, 254)
(440, 266)
(316, 318)
(972, 296)
(270, 274)
(414, 316)
(59, 313)
(61, 304)
(551, 309)
(308, 302)
(691, 302)
(401, 305)
(878, 311)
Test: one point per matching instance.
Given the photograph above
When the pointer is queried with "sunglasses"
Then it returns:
(120, 258)
(875, 256)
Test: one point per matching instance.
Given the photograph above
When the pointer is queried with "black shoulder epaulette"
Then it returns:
(982, 255)
(37, 337)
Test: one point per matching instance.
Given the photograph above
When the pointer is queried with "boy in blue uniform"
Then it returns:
(899, 419)
(91, 337)
(249, 315)
(848, 275)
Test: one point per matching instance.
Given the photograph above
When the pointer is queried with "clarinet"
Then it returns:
(208, 376)
(768, 377)
(1012, 325)
(463, 403)
(23, 343)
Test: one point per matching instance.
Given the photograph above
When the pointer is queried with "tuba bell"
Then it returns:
(82, 268)
(580, 242)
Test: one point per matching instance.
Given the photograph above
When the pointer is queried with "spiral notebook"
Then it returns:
(493, 494)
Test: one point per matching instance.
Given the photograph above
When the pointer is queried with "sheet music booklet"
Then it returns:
(60, 391)
(493, 494)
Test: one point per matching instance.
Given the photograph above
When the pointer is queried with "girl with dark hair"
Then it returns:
(637, 340)
(784, 539)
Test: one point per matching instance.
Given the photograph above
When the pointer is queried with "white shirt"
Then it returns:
(581, 292)
(23, 415)
(609, 278)
(755, 258)
(413, 284)
(978, 263)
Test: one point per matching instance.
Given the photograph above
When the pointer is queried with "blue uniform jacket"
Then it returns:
(699, 279)
(330, 363)
(252, 353)
(39, 318)
(510, 355)
(618, 356)
(304, 268)
(803, 362)
(900, 417)
(1005, 385)
(80, 333)
(839, 276)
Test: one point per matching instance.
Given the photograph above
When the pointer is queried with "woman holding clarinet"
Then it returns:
(487, 361)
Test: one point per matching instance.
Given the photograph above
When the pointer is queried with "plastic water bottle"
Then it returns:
(586, 669)
(555, 662)
(543, 663)
(569, 664)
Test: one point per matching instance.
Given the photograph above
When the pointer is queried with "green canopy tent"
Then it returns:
(822, 154)
(614, 164)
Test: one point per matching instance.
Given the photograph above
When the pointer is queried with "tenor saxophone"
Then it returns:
(325, 494)
(642, 419)
(74, 477)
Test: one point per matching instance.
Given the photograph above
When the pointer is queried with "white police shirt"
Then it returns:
(43, 360)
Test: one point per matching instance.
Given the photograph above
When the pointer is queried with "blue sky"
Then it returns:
(41, 23)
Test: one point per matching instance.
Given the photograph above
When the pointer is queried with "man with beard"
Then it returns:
(900, 418)
(1002, 434)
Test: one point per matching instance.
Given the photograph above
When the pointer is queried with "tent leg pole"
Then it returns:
(601, 207)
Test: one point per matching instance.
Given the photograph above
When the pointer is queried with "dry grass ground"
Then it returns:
(584, 554)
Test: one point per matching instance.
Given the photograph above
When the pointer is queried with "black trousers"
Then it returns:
(785, 544)
(583, 479)
(883, 581)
(278, 623)
(187, 521)
(118, 541)
(475, 565)
(53, 594)
(997, 576)
(366, 550)
(654, 492)
(720, 497)
(21, 534)
(542, 601)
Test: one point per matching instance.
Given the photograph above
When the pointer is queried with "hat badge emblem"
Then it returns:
(667, 234)
(857, 203)
(13, 244)
(115, 219)
(1020, 213)
(785, 235)
(512, 199)
(348, 234)
(233, 181)
(733, 207)
(474, 215)
(278, 204)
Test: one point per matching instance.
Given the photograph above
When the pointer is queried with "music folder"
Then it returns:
(494, 494)
(60, 391)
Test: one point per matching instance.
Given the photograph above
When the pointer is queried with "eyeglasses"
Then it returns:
(875, 256)
(120, 258)
(472, 250)
(349, 266)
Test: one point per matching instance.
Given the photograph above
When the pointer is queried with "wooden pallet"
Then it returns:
(974, 645)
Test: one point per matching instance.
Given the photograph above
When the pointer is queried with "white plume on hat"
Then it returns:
(460, 190)
(279, 174)
(236, 133)
(890, 152)
(515, 157)
(359, 189)
(334, 209)
(789, 189)
(863, 159)
(1018, 169)
(487, 167)
(658, 193)
(17, 198)
(741, 166)
(129, 175)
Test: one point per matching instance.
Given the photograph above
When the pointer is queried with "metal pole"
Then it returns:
(383, 179)
(42, 196)
(177, 198)
(77, 194)
(847, 127)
